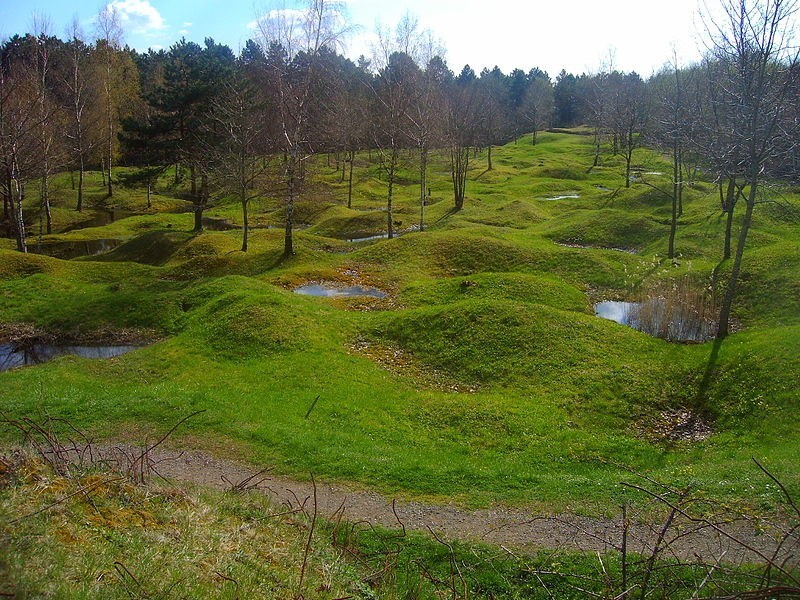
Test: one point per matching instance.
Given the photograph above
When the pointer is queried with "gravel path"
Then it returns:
(515, 529)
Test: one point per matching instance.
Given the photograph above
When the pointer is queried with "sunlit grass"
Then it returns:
(495, 298)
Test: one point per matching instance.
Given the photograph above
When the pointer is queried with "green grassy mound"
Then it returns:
(516, 287)
(152, 248)
(483, 377)
(610, 228)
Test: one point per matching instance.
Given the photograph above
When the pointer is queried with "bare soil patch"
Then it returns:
(518, 528)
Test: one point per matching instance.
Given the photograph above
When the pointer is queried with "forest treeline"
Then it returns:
(244, 125)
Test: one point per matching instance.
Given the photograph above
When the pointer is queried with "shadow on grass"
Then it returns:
(701, 400)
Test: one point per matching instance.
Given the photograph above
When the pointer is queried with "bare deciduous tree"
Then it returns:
(297, 38)
(537, 105)
(627, 114)
(236, 136)
(79, 90)
(466, 109)
(752, 48)
(396, 90)
(109, 40)
(20, 126)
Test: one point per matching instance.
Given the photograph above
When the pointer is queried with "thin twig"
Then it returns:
(83, 490)
(313, 404)
(778, 482)
(308, 541)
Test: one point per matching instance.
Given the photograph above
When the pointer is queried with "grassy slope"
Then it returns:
(98, 536)
(119, 540)
(483, 297)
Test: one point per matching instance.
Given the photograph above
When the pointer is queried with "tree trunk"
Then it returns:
(596, 143)
(193, 180)
(103, 170)
(8, 197)
(350, 180)
(109, 117)
(198, 218)
(423, 184)
(728, 202)
(79, 205)
(245, 222)
(730, 290)
(675, 192)
(726, 252)
(389, 216)
(288, 241)
(628, 158)
(489, 167)
(110, 157)
(149, 192)
(627, 171)
(45, 202)
(681, 181)
(19, 220)
(459, 162)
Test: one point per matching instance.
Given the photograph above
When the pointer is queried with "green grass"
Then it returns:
(487, 298)
(91, 533)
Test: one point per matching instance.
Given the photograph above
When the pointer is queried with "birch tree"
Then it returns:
(293, 41)
(20, 114)
(79, 94)
(109, 41)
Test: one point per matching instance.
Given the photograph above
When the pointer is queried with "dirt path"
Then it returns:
(515, 529)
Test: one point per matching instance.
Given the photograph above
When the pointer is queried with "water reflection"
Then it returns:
(332, 290)
(671, 321)
(23, 355)
(69, 250)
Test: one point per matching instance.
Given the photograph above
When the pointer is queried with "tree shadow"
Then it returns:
(701, 399)
(451, 212)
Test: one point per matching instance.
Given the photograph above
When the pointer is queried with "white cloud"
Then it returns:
(183, 32)
(187, 23)
(288, 14)
(138, 15)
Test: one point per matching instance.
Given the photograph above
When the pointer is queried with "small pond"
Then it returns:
(672, 322)
(333, 290)
(68, 250)
(14, 355)
(380, 236)
(615, 311)
(564, 197)
(98, 217)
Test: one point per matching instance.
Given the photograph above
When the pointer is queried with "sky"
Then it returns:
(580, 36)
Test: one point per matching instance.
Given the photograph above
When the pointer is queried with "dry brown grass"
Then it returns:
(677, 310)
